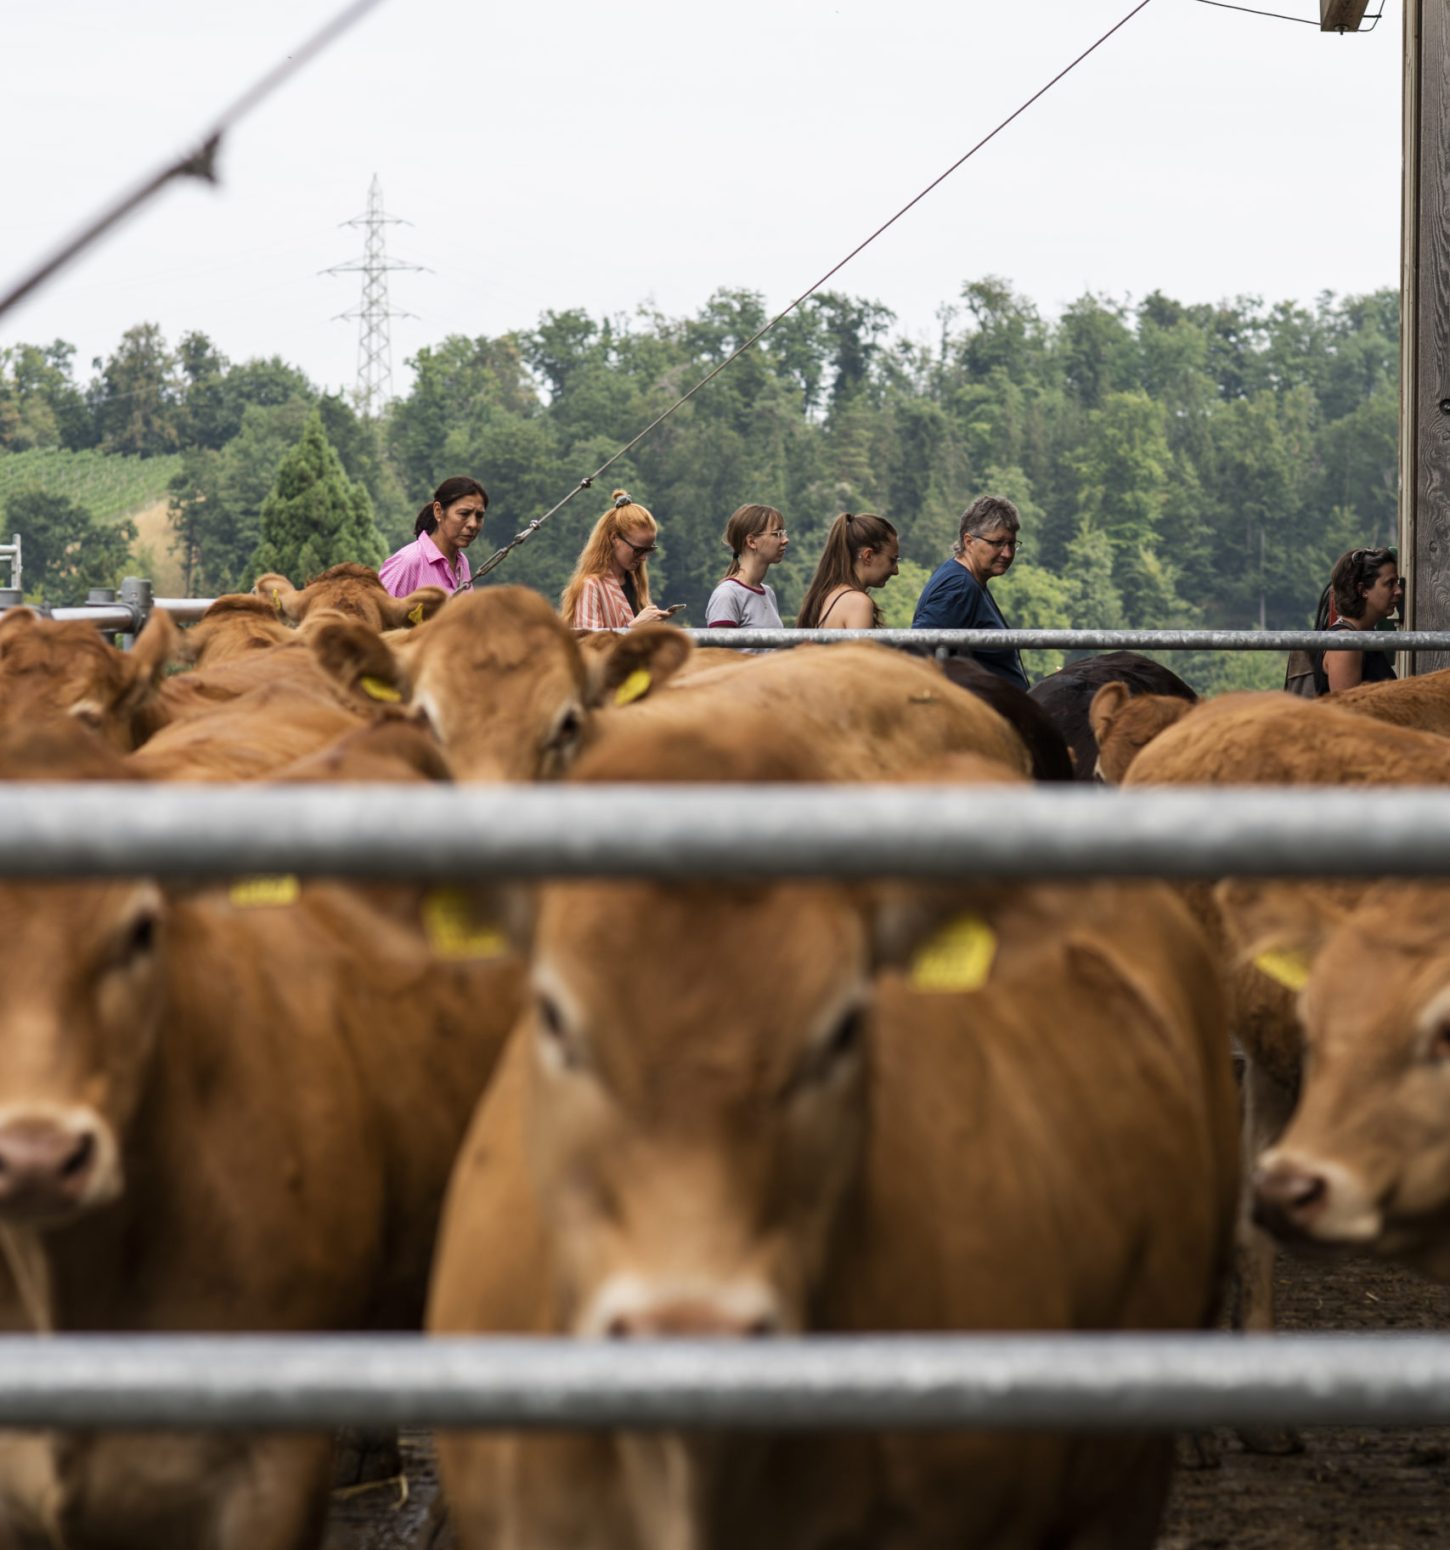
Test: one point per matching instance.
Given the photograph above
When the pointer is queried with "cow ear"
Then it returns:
(400, 613)
(14, 622)
(355, 655)
(475, 922)
(1105, 707)
(637, 663)
(1279, 928)
(157, 646)
(951, 938)
(281, 594)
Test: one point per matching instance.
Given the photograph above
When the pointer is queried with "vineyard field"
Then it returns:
(108, 484)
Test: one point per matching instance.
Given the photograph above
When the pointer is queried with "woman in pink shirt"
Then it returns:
(609, 589)
(445, 528)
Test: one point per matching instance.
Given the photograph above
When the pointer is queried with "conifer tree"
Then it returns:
(315, 516)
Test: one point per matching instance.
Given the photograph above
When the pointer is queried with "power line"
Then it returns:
(498, 557)
(199, 162)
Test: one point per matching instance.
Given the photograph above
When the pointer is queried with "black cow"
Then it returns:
(1066, 695)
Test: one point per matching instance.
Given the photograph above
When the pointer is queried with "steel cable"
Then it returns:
(498, 557)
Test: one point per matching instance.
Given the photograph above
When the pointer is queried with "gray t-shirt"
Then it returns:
(736, 604)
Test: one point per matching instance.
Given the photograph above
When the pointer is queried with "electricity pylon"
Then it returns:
(374, 345)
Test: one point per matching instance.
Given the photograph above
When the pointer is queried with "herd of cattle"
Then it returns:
(636, 1110)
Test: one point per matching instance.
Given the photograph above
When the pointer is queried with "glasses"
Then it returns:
(639, 549)
(1014, 544)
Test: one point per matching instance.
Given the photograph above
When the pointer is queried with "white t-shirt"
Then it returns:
(735, 604)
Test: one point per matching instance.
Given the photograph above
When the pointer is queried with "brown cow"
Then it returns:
(1124, 723)
(1422, 702)
(232, 1109)
(234, 626)
(729, 1114)
(1365, 1160)
(863, 711)
(504, 683)
(49, 669)
(352, 590)
(1275, 739)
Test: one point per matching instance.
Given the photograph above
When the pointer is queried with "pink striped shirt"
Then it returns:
(602, 605)
(421, 564)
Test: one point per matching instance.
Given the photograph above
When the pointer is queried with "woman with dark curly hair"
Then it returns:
(1365, 587)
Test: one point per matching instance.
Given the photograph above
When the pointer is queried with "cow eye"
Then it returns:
(567, 727)
(835, 1051)
(136, 941)
(1440, 1043)
(554, 1035)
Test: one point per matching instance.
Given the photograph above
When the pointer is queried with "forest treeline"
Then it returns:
(1175, 464)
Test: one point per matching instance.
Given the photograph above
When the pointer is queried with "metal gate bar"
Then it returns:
(1124, 1382)
(367, 831)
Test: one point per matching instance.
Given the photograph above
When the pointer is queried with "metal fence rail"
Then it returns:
(130, 611)
(1091, 640)
(86, 829)
(1158, 1382)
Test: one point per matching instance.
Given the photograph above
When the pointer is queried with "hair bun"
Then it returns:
(620, 495)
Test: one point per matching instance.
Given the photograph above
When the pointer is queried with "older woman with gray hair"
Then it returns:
(956, 596)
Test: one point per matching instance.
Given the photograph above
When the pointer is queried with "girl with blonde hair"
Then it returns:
(755, 537)
(609, 589)
(860, 554)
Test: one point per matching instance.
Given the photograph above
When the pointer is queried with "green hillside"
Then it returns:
(108, 484)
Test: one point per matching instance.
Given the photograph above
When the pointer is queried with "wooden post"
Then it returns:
(1341, 15)
(1425, 324)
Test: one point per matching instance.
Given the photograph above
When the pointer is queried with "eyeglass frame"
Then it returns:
(641, 551)
(1012, 542)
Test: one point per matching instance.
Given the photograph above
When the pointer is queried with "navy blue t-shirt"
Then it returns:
(955, 600)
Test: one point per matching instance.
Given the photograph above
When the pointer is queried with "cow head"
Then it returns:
(1365, 1159)
(702, 1064)
(502, 680)
(1124, 724)
(232, 627)
(78, 1024)
(49, 669)
(352, 590)
(693, 1133)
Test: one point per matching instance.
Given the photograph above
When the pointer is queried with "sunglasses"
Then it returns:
(640, 549)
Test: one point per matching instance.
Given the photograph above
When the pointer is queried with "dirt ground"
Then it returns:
(1350, 1489)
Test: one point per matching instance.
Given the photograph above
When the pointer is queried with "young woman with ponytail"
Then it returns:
(860, 554)
(609, 589)
(445, 528)
(755, 537)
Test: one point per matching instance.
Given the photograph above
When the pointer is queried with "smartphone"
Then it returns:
(674, 608)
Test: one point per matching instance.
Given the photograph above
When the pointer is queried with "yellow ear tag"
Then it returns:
(379, 689)
(1289, 968)
(254, 893)
(957, 957)
(415, 614)
(277, 603)
(452, 931)
(635, 687)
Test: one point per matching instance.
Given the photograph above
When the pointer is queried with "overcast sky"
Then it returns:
(570, 153)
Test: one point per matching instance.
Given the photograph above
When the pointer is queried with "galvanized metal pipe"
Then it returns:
(1091, 640)
(185, 610)
(1104, 1382)
(105, 616)
(99, 829)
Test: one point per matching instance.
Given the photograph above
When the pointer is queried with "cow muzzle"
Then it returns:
(53, 1165)
(1310, 1198)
